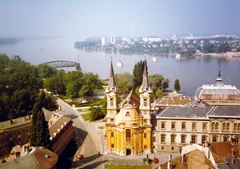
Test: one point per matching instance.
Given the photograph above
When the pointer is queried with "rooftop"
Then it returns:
(15, 122)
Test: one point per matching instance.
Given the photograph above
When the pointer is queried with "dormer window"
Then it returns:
(145, 102)
(111, 102)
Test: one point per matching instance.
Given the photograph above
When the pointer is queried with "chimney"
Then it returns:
(24, 118)
(11, 121)
(170, 161)
(161, 166)
(26, 149)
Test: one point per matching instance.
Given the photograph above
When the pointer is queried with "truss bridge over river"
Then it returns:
(62, 63)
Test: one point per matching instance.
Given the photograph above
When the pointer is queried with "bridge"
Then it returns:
(62, 63)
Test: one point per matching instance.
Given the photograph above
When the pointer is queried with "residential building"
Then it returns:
(176, 127)
(17, 129)
(36, 157)
(4, 139)
(128, 127)
(60, 131)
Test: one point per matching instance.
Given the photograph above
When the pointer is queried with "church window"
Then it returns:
(217, 126)
(112, 134)
(183, 138)
(224, 126)
(214, 139)
(145, 120)
(213, 126)
(128, 135)
(112, 120)
(193, 126)
(112, 145)
(228, 126)
(173, 125)
(225, 139)
(172, 138)
(235, 126)
(111, 102)
(127, 114)
(193, 139)
(172, 148)
(162, 138)
(145, 146)
(183, 126)
(162, 147)
(203, 139)
(145, 135)
(145, 102)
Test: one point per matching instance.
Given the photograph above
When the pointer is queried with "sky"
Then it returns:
(96, 18)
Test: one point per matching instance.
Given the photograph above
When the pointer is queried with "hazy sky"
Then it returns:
(89, 18)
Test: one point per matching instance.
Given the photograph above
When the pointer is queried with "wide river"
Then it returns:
(191, 72)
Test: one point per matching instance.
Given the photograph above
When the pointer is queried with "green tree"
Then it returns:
(39, 135)
(138, 74)
(4, 61)
(177, 86)
(223, 48)
(96, 113)
(165, 84)
(159, 93)
(46, 71)
(155, 81)
(137, 90)
(124, 81)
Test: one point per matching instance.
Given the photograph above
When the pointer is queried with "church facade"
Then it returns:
(128, 128)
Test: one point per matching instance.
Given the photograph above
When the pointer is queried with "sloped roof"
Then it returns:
(225, 111)
(223, 149)
(185, 112)
(38, 158)
(197, 103)
(145, 84)
(15, 122)
(47, 113)
(132, 99)
(111, 83)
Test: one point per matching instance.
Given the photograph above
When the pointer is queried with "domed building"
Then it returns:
(219, 94)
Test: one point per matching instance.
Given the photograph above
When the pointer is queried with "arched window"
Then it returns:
(217, 126)
(128, 135)
(224, 126)
(111, 102)
(127, 114)
(225, 138)
(145, 102)
(236, 140)
(213, 126)
(228, 126)
(235, 127)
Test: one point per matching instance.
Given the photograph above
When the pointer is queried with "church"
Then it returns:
(128, 128)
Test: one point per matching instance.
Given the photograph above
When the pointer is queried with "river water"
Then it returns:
(191, 72)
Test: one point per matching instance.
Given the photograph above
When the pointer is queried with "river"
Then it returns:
(191, 72)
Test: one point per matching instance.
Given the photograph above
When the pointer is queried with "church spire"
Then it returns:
(145, 85)
(111, 83)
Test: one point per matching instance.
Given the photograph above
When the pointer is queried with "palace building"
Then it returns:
(128, 128)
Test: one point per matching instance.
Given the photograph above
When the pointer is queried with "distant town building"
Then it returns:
(108, 40)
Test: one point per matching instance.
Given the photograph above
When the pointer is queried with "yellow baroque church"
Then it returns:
(128, 128)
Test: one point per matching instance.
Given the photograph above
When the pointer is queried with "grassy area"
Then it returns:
(63, 159)
(127, 167)
(86, 116)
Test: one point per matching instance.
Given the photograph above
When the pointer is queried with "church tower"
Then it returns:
(111, 95)
(145, 95)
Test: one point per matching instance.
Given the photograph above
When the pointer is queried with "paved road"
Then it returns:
(84, 138)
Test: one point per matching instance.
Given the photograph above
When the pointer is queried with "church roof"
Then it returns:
(132, 99)
(111, 83)
(145, 84)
